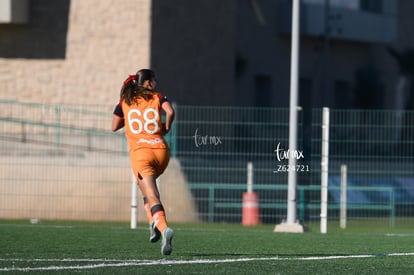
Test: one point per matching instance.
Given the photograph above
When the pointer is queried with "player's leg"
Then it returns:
(141, 161)
(149, 187)
(148, 210)
(162, 157)
(155, 234)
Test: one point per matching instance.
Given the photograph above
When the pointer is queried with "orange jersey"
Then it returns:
(143, 126)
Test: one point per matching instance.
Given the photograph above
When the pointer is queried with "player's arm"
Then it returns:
(117, 123)
(118, 119)
(169, 116)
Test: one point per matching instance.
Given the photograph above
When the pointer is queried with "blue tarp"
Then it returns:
(403, 190)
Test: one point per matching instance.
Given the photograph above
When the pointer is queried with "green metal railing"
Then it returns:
(302, 204)
(83, 126)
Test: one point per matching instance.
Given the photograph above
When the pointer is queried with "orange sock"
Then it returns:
(158, 214)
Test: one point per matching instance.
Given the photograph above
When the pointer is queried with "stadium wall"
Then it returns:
(79, 52)
(83, 186)
(74, 52)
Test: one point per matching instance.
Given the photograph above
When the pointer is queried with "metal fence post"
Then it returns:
(324, 170)
(342, 212)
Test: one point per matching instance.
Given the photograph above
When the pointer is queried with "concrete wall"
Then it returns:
(79, 52)
(193, 50)
(74, 52)
(205, 52)
(68, 185)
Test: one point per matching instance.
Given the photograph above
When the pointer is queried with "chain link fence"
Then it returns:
(63, 162)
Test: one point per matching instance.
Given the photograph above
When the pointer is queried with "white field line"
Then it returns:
(101, 263)
(399, 235)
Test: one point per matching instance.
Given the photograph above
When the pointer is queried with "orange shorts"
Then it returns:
(148, 161)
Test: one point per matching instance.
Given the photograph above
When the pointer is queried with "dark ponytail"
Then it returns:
(133, 86)
(144, 75)
(128, 90)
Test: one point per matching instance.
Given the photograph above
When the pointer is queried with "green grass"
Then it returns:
(55, 247)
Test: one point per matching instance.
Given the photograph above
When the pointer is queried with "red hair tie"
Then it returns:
(131, 77)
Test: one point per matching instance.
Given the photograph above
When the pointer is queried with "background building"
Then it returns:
(206, 52)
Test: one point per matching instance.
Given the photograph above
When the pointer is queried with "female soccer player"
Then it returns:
(139, 110)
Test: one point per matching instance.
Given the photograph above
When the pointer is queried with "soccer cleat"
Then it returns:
(167, 237)
(155, 234)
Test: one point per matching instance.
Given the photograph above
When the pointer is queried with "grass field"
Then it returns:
(56, 247)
